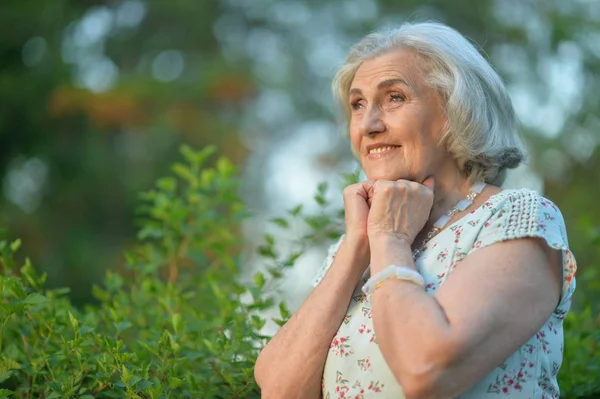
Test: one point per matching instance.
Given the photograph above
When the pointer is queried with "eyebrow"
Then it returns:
(384, 84)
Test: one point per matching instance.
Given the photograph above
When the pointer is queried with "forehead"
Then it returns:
(400, 63)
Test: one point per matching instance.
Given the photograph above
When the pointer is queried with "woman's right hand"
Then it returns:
(356, 209)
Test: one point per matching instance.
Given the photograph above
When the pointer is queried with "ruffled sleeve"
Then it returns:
(526, 214)
(328, 261)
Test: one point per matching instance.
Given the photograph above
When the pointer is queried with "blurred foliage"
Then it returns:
(99, 145)
(177, 321)
(96, 96)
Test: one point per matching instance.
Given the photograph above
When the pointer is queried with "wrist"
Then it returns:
(392, 272)
(360, 243)
(356, 257)
(387, 250)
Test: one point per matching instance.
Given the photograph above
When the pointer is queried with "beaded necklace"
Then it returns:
(463, 204)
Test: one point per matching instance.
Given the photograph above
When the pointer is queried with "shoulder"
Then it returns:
(520, 200)
(525, 213)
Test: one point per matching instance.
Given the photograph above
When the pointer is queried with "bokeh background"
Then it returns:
(96, 96)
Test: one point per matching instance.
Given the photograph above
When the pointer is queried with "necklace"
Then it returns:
(463, 204)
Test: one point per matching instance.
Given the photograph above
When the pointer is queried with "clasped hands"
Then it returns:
(381, 211)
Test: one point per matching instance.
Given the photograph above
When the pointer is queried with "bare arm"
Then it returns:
(291, 364)
(502, 293)
(439, 346)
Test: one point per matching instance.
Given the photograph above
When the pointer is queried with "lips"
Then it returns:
(379, 149)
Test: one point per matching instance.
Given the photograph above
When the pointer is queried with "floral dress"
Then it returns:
(355, 367)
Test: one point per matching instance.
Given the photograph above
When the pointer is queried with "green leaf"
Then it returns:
(122, 326)
(15, 245)
(296, 210)
(6, 393)
(167, 184)
(15, 286)
(280, 322)
(258, 322)
(281, 222)
(35, 299)
(5, 376)
(292, 258)
(74, 322)
(193, 355)
(134, 380)
(7, 364)
(183, 171)
(283, 311)
(259, 280)
(351, 178)
(275, 273)
(86, 329)
(175, 382)
(225, 167)
(267, 251)
(197, 158)
(60, 291)
(177, 322)
(270, 239)
(319, 199)
(322, 188)
(144, 384)
(31, 277)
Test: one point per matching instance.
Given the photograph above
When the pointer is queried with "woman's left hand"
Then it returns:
(399, 209)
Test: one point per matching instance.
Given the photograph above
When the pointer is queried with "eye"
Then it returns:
(356, 104)
(397, 97)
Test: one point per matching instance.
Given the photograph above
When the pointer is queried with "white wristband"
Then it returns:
(392, 271)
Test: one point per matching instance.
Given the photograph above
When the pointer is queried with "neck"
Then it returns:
(449, 189)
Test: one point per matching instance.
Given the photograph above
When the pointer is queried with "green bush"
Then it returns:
(579, 375)
(178, 321)
(175, 322)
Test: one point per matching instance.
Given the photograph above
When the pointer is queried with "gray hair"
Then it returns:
(481, 132)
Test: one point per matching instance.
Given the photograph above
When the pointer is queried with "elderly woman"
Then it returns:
(444, 285)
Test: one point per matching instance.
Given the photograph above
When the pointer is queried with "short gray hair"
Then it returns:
(481, 133)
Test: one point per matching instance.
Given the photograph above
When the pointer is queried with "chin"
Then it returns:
(389, 175)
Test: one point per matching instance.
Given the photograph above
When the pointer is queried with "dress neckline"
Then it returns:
(460, 220)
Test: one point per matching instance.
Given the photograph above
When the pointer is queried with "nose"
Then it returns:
(372, 123)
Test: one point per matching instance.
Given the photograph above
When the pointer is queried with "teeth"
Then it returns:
(380, 149)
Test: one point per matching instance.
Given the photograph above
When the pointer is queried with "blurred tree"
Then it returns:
(96, 96)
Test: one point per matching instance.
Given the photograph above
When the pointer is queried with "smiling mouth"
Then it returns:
(380, 150)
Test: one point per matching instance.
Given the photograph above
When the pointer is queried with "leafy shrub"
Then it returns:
(177, 321)
(579, 375)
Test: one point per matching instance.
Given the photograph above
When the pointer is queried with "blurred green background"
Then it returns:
(96, 97)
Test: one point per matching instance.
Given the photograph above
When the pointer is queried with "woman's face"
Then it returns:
(396, 119)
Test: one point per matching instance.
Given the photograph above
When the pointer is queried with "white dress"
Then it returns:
(355, 367)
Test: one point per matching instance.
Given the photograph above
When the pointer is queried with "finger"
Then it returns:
(367, 184)
(368, 187)
(429, 183)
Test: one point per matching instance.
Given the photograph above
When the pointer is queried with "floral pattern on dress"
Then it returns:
(368, 332)
(340, 346)
(355, 367)
(509, 382)
(341, 386)
(365, 364)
